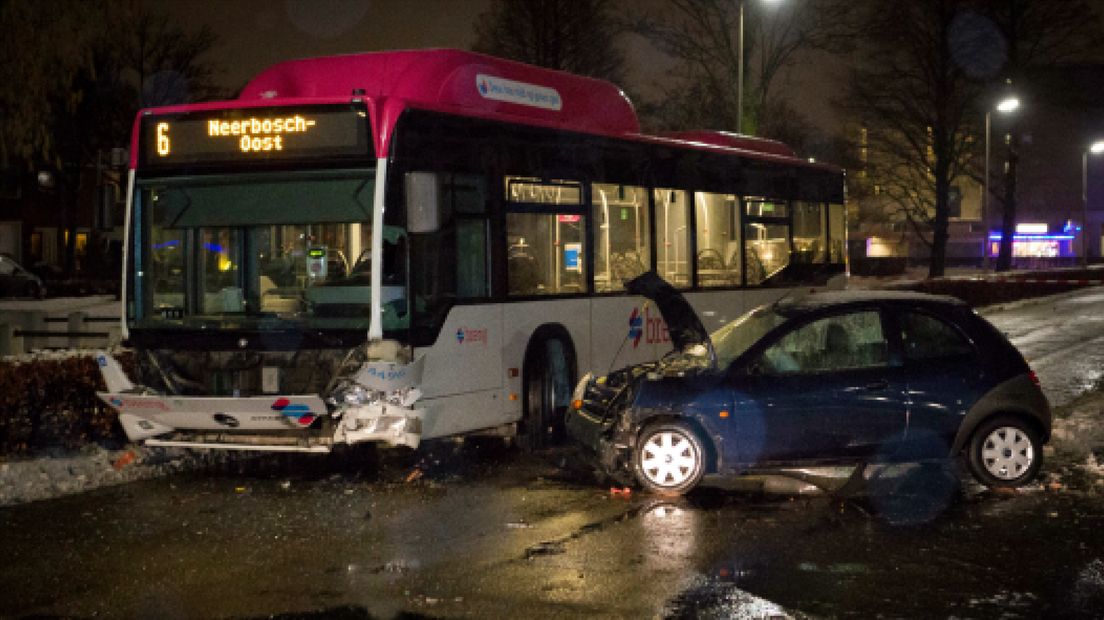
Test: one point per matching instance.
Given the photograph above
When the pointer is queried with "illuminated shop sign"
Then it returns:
(251, 134)
(1034, 244)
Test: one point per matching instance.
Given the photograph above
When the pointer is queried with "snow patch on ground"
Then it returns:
(56, 354)
(1077, 444)
(32, 479)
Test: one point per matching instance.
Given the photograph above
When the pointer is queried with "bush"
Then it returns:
(50, 403)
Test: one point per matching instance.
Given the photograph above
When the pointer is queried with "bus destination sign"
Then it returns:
(254, 134)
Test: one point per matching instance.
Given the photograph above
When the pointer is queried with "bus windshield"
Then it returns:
(266, 250)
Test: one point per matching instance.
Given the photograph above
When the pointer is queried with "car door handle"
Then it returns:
(877, 385)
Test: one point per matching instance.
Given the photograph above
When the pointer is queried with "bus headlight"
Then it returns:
(349, 393)
(354, 394)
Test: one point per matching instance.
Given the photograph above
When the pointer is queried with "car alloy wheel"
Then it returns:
(1005, 453)
(669, 459)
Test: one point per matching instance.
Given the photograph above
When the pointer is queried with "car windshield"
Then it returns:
(732, 340)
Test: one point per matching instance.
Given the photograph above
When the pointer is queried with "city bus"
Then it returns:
(398, 246)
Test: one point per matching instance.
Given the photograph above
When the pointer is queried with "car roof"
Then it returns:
(838, 299)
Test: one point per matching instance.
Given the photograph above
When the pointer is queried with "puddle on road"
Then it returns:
(707, 597)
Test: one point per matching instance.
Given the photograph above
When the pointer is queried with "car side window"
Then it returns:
(927, 338)
(842, 342)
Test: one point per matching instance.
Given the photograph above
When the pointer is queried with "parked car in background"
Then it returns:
(16, 281)
(828, 379)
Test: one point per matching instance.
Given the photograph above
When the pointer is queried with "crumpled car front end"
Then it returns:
(602, 417)
(598, 418)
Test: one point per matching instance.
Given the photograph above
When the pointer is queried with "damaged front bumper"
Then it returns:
(602, 433)
(392, 424)
(376, 404)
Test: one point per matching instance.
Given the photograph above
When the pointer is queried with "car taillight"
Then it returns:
(1034, 378)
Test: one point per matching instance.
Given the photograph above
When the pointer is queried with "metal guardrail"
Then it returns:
(28, 330)
(44, 333)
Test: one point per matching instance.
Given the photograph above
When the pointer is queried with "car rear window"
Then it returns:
(927, 338)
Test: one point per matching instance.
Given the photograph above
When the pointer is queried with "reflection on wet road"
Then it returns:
(503, 535)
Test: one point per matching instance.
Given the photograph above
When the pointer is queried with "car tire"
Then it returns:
(669, 458)
(1005, 452)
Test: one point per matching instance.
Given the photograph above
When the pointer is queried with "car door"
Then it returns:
(827, 389)
(944, 379)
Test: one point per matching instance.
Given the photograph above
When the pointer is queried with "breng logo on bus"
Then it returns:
(653, 330)
(471, 336)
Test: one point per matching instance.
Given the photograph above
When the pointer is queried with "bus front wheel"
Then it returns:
(547, 392)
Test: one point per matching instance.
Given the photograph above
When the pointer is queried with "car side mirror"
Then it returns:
(423, 210)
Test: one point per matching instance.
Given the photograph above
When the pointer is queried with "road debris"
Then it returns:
(127, 458)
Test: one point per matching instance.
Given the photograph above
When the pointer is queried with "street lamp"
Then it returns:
(740, 66)
(1005, 106)
(1095, 148)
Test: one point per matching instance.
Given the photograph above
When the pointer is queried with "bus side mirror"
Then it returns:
(423, 211)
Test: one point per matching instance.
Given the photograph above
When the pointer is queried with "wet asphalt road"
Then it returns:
(501, 535)
(477, 531)
(1062, 339)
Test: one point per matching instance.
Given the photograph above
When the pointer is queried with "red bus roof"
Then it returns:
(471, 84)
(455, 81)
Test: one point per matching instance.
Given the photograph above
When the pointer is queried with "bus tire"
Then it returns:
(548, 380)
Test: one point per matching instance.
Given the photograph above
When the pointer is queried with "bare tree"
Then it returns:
(919, 86)
(1039, 34)
(916, 104)
(577, 36)
(703, 36)
(43, 48)
(73, 75)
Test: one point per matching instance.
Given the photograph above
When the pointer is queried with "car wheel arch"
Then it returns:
(1015, 397)
(973, 423)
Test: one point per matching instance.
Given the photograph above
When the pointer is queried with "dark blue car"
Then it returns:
(828, 379)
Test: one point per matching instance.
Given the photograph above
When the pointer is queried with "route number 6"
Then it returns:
(163, 145)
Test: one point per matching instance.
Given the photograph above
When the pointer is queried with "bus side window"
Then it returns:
(545, 224)
(450, 263)
(718, 240)
(808, 233)
(672, 216)
(622, 236)
(545, 254)
(465, 195)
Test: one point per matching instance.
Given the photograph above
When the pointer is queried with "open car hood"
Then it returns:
(683, 325)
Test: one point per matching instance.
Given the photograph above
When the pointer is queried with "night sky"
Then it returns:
(254, 34)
